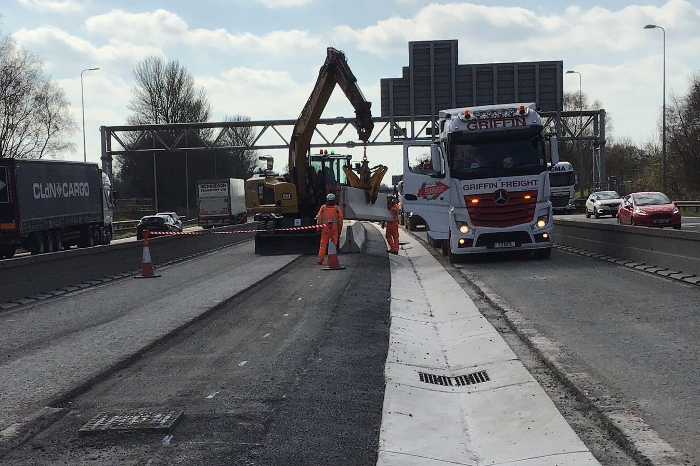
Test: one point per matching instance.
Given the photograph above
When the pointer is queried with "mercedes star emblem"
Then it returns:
(501, 197)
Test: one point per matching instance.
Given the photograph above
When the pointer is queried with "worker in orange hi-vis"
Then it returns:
(392, 226)
(330, 222)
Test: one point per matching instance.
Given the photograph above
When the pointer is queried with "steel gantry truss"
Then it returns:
(275, 134)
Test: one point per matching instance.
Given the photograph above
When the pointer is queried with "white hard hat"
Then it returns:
(330, 197)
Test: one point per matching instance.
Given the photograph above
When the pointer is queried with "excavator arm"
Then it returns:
(334, 71)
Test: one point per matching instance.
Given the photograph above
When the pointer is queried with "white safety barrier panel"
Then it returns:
(483, 407)
(353, 201)
(353, 237)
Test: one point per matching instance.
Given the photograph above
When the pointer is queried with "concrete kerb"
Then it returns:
(636, 437)
(19, 433)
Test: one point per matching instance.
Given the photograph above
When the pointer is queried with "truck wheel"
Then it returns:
(58, 240)
(108, 236)
(445, 247)
(50, 242)
(38, 244)
(410, 225)
(543, 253)
(453, 258)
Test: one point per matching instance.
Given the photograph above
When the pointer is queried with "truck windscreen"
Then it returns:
(496, 158)
(557, 180)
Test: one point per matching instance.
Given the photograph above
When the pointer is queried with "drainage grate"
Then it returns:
(460, 380)
(133, 420)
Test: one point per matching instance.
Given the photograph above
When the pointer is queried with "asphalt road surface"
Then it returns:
(635, 333)
(290, 372)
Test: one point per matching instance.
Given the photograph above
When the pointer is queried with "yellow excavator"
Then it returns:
(284, 202)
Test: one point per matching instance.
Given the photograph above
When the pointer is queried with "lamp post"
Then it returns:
(82, 102)
(580, 117)
(663, 117)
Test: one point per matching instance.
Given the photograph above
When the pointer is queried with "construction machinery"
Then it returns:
(286, 205)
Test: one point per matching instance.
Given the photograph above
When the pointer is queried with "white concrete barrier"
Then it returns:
(353, 238)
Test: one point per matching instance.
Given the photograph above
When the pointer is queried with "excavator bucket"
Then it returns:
(356, 205)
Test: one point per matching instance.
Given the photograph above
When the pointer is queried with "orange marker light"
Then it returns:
(528, 196)
(475, 200)
(467, 113)
(522, 109)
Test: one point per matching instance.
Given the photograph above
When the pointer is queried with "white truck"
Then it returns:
(562, 182)
(221, 202)
(483, 186)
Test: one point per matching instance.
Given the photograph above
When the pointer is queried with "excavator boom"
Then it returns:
(334, 71)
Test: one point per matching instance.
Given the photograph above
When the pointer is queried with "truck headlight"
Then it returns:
(463, 227)
(542, 222)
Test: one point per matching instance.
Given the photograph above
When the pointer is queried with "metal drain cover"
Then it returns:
(460, 380)
(131, 421)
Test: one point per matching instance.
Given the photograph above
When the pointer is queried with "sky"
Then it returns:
(260, 58)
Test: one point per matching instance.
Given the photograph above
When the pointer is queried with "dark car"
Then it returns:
(650, 209)
(155, 223)
(176, 219)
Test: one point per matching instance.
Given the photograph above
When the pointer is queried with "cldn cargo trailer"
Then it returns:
(49, 205)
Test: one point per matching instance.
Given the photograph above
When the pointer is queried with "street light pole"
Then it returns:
(663, 109)
(82, 102)
(580, 117)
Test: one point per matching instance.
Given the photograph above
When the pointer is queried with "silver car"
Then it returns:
(603, 203)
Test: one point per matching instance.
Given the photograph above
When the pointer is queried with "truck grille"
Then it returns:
(517, 210)
(559, 200)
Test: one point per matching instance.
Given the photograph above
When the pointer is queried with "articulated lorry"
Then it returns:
(562, 182)
(484, 185)
(221, 202)
(48, 205)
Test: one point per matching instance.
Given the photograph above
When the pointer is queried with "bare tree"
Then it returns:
(165, 93)
(244, 162)
(683, 132)
(35, 117)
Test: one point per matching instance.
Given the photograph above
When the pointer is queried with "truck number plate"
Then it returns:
(504, 244)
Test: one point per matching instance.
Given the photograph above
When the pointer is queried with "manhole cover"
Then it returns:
(134, 420)
(460, 380)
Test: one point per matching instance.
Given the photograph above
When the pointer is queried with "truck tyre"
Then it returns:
(37, 243)
(543, 253)
(445, 247)
(410, 225)
(50, 242)
(453, 258)
(58, 240)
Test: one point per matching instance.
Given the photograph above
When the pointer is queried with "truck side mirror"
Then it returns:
(554, 150)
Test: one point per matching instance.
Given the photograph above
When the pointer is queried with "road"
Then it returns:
(634, 332)
(290, 372)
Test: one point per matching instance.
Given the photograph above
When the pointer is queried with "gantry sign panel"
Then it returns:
(434, 81)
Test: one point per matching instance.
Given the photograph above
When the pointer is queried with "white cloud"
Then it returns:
(55, 6)
(161, 28)
(53, 37)
(284, 3)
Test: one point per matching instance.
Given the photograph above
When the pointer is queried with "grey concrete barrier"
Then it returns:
(32, 275)
(353, 239)
(672, 249)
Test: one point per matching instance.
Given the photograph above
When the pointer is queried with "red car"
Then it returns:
(649, 210)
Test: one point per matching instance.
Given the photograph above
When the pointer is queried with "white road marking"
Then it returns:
(212, 395)
(166, 440)
(299, 299)
(286, 314)
(242, 363)
(266, 335)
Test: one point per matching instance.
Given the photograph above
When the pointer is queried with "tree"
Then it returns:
(164, 92)
(683, 136)
(35, 117)
(241, 163)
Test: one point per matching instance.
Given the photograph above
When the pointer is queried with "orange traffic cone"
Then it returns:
(333, 263)
(147, 270)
